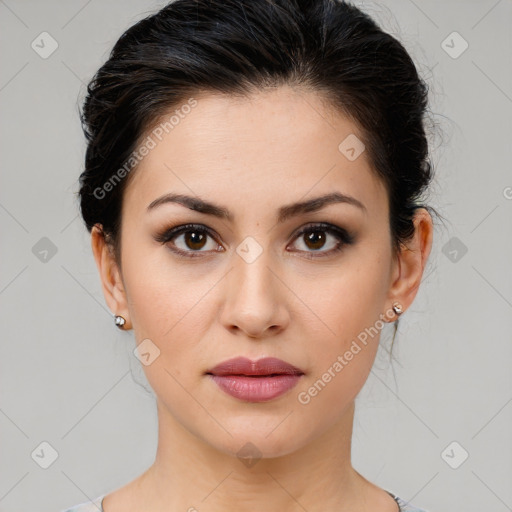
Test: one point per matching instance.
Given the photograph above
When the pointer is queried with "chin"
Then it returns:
(256, 440)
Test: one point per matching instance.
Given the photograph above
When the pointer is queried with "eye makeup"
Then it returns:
(201, 232)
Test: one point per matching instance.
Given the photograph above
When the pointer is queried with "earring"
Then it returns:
(397, 308)
(119, 320)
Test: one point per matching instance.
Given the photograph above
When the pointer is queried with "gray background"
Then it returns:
(68, 377)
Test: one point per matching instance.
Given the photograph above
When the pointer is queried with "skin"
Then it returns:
(253, 156)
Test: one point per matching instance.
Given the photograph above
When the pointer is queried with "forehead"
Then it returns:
(274, 147)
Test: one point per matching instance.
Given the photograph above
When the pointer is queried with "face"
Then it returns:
(300, 284)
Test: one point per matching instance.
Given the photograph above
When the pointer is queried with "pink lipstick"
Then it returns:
(255, 381)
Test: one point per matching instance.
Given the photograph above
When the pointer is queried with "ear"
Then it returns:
(110, 275)
(410, 262)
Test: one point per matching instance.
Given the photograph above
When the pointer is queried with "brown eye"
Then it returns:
(188, 240)
(195, 239)
(316, 237)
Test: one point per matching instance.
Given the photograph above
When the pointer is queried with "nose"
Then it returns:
(254, 301)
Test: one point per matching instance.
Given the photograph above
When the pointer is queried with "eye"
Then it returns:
(189, 240)
(193, 236)
(314, 237)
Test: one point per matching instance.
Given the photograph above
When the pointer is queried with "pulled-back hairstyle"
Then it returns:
(240, 46)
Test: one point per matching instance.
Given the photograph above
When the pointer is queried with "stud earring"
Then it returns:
(120, 321)
(397, 308)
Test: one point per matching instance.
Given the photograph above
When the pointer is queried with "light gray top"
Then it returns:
(96, 505)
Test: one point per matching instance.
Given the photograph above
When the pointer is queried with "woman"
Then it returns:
(252, 188)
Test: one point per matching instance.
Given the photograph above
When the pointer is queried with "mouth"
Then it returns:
(265, 367)
(255, 381)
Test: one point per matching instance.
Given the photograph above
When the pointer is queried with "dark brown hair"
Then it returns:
(239, 46)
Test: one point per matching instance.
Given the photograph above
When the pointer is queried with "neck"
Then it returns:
(189, 473)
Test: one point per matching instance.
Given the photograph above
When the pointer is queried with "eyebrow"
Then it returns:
(284, 213)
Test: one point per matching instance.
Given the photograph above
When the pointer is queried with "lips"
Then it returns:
(267, 366)
(255, 381)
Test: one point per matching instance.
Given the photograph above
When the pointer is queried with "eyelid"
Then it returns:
(169, 233)
(344, 237)
(347, 236)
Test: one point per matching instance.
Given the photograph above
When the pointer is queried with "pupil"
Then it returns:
(195, 238)
(316, 239)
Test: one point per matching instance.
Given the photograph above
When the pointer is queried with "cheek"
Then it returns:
(346, 300)
(163, 295)
(173, 305)
(347, 306)
(347, 342)
(170, 307)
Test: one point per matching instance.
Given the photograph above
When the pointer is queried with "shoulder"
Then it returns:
(88, 506)
(406, 506)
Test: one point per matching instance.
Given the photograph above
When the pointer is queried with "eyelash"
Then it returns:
(341, 234)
